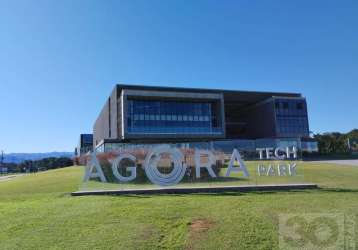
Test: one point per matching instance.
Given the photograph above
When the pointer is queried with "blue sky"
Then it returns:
(59, 60)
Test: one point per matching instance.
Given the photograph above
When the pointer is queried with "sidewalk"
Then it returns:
(338, 162)
(9, 177)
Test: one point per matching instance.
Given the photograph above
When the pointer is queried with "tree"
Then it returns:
(332, 143)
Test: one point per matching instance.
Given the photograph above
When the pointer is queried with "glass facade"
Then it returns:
(151, 116)
(246, 147)
(309, 146)
(87, 139)
(85, 144)
(291, 117)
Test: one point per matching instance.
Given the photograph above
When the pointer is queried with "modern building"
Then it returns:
(145, 114)
(85, 144)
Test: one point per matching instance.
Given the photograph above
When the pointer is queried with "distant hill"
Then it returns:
(20, 157)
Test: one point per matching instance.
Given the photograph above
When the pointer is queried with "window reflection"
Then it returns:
(291, 117)
(171, 117)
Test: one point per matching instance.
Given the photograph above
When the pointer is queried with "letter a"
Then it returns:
(93, 163)
(236, 157)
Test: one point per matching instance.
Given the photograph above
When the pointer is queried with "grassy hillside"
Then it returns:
(37, 212)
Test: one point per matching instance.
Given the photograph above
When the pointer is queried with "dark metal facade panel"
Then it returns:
(119, 116)
(229, 95)
(101, 126)
(113, 114)
(261, 122)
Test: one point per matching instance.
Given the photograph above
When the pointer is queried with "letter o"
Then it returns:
(151, 166)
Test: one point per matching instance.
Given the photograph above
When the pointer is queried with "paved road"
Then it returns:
(340, 162)
(9, 177)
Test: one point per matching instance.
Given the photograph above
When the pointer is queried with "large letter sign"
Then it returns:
(177, 165)
(94, 164)
(236, 157)
(116, 165)
(211, 161)
(281, 169)
(151, 166)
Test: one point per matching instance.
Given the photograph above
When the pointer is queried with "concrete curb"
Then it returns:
(190, 190)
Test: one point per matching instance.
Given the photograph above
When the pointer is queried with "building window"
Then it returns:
(292, 118)
(299, 105)
(277, 105)
(172, 117)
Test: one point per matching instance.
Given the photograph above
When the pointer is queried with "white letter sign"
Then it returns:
(151, 166)
(94, 164)
(116, 165)
(211, 161)
(236, 157)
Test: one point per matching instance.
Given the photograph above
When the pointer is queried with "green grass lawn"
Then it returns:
(37, 212)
